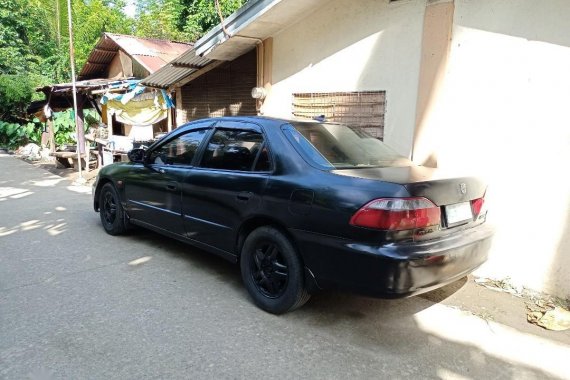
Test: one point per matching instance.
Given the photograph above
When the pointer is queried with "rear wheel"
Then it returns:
(272, 271)
(111, 210)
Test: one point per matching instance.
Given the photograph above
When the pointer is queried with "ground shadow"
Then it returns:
(379, 328)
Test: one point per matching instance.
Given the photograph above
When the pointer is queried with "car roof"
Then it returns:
(258, 119)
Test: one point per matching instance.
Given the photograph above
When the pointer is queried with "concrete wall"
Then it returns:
(353, 46)
(502, 111)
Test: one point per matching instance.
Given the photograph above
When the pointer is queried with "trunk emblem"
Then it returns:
(463, 188)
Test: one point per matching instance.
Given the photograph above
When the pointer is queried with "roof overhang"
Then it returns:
(180, 71)
(60, 96)
(252, 23)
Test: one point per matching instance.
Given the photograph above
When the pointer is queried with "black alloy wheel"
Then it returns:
(269, 269)
(272, 271)
(111, 210)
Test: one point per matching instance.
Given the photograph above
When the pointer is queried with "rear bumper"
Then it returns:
(397, 269)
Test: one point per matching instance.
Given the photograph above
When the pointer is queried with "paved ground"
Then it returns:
(76, 303)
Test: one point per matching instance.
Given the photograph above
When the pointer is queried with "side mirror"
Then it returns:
(137, 155)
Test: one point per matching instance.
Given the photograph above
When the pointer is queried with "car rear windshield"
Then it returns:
(338, 146)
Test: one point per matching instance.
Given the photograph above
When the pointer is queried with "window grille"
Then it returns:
(365, 109)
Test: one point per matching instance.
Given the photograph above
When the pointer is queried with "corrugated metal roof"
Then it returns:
(150, 53)
(185, 65)
(190, 58)
(152, 64)
(167, 76)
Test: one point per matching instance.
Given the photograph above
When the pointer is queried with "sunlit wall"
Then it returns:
(502, 112)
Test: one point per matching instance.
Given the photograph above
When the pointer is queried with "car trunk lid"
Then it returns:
(440, 188)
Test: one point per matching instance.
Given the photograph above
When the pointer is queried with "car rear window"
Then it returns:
(338, 146)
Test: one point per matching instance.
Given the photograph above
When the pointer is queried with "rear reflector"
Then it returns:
(397, 214)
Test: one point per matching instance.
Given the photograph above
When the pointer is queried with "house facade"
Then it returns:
(471, 87)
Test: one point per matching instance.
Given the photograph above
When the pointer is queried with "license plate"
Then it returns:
(459, 212)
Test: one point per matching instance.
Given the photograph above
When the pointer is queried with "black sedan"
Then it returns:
(301, 206)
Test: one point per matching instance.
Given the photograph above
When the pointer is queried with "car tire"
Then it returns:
(272, 271)
(111, 210)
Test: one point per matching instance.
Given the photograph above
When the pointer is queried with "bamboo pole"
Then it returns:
(80, 179)
(58, 24)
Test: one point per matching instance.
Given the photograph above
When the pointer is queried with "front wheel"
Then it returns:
(111, 210)
(272, 271)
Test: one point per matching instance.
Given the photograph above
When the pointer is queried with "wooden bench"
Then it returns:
(64, 157)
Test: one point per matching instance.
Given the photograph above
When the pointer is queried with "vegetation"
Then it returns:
(180, 20)
(34, 43)
(13, 135)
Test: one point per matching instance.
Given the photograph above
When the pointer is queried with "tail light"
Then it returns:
(397, 214)
(478, 206)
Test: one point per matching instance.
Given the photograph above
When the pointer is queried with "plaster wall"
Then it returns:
(120, 66)
(365, 45)
(502, 112)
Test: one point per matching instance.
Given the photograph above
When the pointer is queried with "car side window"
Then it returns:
(179, 151)
(237, 150)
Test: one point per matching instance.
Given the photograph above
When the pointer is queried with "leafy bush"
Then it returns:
(64, 127)
(13, 135)
(16, 93)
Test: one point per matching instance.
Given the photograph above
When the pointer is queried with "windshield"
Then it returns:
(337, 146)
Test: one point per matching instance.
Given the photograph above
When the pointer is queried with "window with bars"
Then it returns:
(363, 109)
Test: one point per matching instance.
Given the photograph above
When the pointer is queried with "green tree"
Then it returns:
(92, 18)
(180, 20)
(16, 94)
(24, 37)
(158, 19)
(25, 42)
(199, 16)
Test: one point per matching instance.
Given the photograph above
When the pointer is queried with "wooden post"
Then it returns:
(82, 144)
(180, 114)
(44, 142)
(169, 121)
(104, 117)
(267, 64)
(109, 123)
(51, 132)
(264, 69)
(80, 125)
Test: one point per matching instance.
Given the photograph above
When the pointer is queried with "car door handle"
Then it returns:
(171, 187)
(244, 196)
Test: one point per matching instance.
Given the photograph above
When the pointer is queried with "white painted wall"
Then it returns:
(359, 45)
(504, 112)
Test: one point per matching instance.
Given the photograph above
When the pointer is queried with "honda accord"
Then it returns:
(301, 206)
